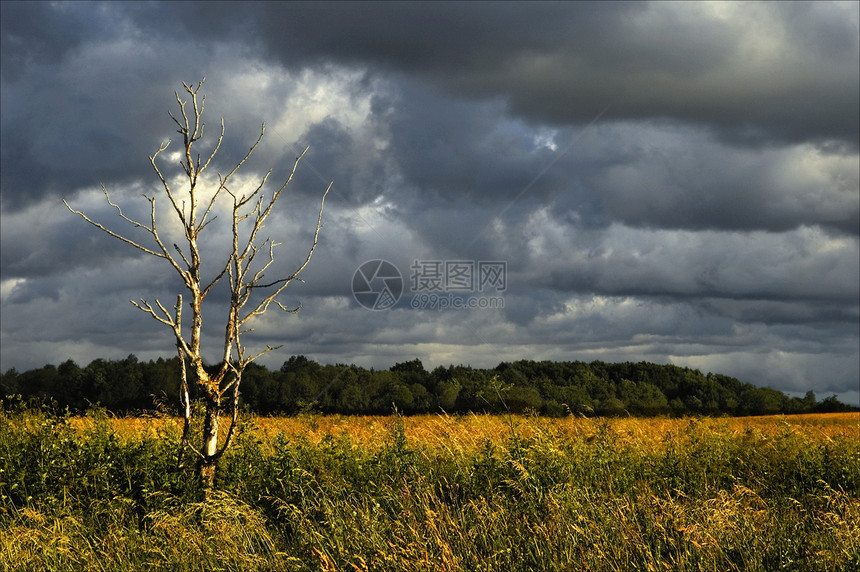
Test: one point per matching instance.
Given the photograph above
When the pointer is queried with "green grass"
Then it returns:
(540, 497)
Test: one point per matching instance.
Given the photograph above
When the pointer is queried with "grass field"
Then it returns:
(436, 493)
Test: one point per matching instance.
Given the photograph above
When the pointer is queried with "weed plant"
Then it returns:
(433, 493)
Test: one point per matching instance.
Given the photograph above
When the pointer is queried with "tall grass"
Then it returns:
(435, 493)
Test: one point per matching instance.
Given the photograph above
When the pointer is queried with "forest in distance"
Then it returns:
(130, 386)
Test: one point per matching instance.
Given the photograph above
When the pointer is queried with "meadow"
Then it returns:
(435, 492)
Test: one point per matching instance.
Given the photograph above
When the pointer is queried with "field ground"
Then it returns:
(471, 492)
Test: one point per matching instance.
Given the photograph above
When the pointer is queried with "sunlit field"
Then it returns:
(436, 492)
(475, 430)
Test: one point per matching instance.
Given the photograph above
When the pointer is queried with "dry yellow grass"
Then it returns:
(754, 493)
(470, 432)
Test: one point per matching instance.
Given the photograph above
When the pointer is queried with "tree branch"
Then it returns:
(264, 304)
(114, 234)
(146, 307)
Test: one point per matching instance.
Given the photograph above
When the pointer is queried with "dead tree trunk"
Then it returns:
(208, 462)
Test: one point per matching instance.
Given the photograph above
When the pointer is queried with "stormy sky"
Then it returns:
(667, 182)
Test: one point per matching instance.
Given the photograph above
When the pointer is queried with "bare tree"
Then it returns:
(251, 293)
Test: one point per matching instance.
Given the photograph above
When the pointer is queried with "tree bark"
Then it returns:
(209, 460)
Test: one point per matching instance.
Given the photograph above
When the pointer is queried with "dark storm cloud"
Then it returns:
(781, 71)
(423, 37)
(336, 154)
(487, 158)
(765, 73)
(672, 177)
(69, 130)
(89, 104)
(40, 33)
(667, 181)
(801, 267)
(778, 74)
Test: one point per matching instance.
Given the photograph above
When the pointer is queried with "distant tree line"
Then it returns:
(545, 387)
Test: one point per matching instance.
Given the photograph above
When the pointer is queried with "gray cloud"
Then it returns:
(676, 178)
(669, 182)
(753, 73)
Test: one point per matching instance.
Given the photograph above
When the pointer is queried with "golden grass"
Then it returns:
(470, 432)
(580, 494)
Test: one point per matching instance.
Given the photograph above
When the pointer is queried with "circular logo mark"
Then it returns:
(377, 285)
